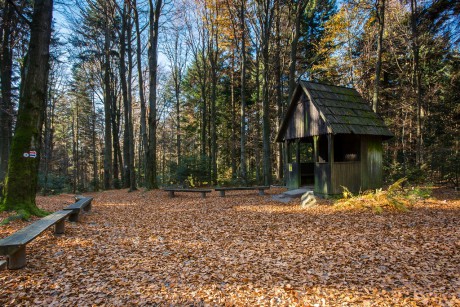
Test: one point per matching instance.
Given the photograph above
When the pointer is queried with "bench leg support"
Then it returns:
(59, 228)
(222, 193)
(18, 259)
(171, 194)
(74, 217)
(87, 208)
(203, 194)
(261, 192)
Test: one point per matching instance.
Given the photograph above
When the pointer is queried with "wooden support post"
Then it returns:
(59, 227)
(2, 265)
(17, 260)
(222, 193)
(315, 149)
(87, 208)
(171, 194)
(203, 194)
(74, 217)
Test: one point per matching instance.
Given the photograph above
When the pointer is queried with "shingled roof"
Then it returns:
(343, 110)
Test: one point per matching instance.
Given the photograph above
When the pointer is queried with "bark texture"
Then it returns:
(22, 177)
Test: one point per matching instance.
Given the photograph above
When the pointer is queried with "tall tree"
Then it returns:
(22, 177)
(265, 14)
(417, 83)
(107, 104)
(6, 73)
(299, 11)
(380, 14)
(143, 124)
(155, 11)
(244, 175)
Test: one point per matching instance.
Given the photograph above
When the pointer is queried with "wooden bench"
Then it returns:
(174, 190)
(82, 204)
(261, 189)
(14, 246)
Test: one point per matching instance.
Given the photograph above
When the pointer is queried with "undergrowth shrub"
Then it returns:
(396, 198)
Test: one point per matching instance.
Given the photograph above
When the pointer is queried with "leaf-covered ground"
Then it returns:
(144, 248)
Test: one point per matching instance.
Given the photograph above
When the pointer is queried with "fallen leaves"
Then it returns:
(143, 248)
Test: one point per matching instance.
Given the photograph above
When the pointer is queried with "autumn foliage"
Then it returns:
(143, 248)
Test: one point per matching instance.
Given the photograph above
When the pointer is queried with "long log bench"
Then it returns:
(175, 190)
(14, 246)
(82, 204)
(223, 190)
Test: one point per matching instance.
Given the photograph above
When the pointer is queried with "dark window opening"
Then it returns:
(347, 148)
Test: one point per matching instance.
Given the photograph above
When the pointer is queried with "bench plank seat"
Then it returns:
(14, 245)
(260, 188)
(75, 208)
(173, 190)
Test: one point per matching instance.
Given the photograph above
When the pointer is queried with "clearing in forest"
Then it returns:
(143, 248)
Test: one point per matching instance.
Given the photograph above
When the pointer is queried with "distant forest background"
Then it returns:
(192, 92)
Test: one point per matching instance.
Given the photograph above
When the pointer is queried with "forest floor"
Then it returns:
(143, 248)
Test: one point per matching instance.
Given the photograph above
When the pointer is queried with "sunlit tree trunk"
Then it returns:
(417, 82)
(299, 12)
(266, 21)
(143, 128)
(126, 107)
(378, 64)
(132, 171)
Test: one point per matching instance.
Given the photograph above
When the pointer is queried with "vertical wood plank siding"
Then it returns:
(347, 174)
(372, 161)
(322, 173)
(305, 121)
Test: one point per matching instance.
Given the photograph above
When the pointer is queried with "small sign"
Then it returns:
(30, 154)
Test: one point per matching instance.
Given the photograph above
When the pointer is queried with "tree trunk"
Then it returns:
(300, 8)
(124, 90)
(418, 83)
(93, 143)
(234, 126)
(107, 108)
(6, 104)
(143, 128)
(22, 177)
(266, 27)
(155, 10)
(257, 125)
(48, 143)
(378, 64)
(132, 171)
(117, 159)
(279, 96)
(243, 100)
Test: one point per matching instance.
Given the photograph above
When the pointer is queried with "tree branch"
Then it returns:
(27, 21)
